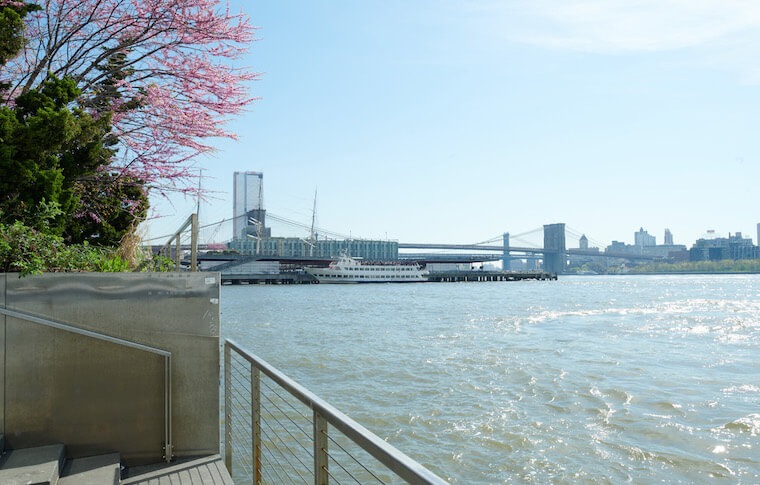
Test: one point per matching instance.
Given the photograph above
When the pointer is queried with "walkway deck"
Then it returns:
(198, 471)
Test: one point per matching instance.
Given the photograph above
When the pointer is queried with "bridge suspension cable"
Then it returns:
(216, 227)
(521, 237)
(210, 231)
(575, 233)
(307, 227)
(518, 237)
(489, 241)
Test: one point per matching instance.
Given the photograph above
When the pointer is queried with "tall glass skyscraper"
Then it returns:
(248, 204)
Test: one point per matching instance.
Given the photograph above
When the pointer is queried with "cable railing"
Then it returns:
(276, 431)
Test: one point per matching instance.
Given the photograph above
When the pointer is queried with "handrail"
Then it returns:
(87, 333)
(192, 222)
(398, 462)
(124, 343)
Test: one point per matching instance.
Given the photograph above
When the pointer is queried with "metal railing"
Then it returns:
(276, 431)
(167, 356)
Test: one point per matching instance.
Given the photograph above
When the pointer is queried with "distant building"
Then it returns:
(249, 216)
(618, 247)
(679, 255)
(644, 239)
(720, 248)
(293, 247)
(583, 242)
(252, 237)
(646, 245)
(577, 261)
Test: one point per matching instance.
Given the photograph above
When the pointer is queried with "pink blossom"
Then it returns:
(185, 80)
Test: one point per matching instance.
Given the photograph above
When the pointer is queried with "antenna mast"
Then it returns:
(312, 235)
(200, 179)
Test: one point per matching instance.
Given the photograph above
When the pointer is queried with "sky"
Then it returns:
(454, 121)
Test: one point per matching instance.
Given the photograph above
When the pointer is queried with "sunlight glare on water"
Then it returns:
(586, 379)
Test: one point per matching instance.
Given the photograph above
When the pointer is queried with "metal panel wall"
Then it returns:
(101, 396)
(3, 277)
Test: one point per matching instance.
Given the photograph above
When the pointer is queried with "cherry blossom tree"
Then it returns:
(166, 71)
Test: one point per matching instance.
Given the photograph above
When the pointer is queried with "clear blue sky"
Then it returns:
(457, 120)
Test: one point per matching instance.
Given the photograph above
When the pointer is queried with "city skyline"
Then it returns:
(456, 122)
(641, 237)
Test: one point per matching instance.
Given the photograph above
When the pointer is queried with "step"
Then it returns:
(39, 465)
(92, 470)
(186, 471)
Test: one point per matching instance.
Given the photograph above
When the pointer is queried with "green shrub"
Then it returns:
(27, 251)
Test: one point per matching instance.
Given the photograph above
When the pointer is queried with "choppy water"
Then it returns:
(638, 379)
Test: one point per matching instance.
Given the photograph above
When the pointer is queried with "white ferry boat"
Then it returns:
(351, 270)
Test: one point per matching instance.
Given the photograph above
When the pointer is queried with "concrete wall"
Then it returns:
(94, 395)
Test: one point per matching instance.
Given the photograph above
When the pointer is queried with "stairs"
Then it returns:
(48, 465)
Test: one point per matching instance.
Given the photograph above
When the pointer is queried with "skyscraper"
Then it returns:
(643, 238)
(248, 205)
(668, 237)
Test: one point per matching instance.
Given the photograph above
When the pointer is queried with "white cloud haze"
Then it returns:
(627, 25)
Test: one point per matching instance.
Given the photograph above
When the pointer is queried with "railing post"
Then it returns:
(323, 415)
(191, 221)
(178, 254)
(227, 409)
(169, 446)
(320, 450)
(194, 242)
(256, 423)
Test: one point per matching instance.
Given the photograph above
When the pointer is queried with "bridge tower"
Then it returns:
(554, 244)
(506, 261)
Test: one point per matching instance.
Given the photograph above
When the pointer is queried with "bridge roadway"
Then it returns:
(497, 249)
(472, 247)
(525, 250)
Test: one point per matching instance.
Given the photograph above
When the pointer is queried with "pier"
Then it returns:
(301, 278)
(252, 270)
(485, 276)
(284, 278)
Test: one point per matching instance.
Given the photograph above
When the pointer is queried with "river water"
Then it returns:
(589, 379)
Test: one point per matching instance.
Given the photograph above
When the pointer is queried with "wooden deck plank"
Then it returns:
(198, 471)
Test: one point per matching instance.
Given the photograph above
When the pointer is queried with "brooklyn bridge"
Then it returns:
(552, 254)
